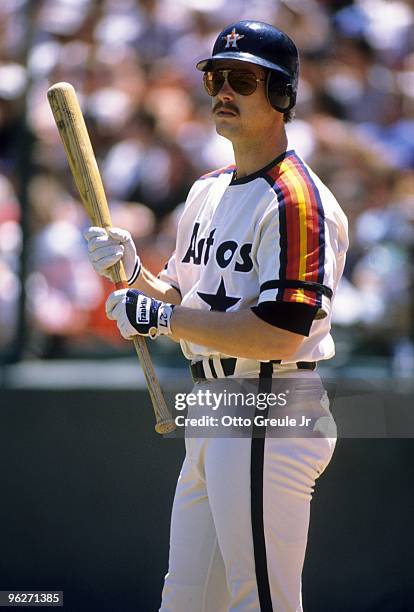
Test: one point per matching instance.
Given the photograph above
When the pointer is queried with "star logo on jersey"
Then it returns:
(232, 39)
(219, 301)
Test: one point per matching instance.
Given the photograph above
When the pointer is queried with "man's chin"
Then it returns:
(225, 128)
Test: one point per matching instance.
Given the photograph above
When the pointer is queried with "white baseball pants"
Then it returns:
(240, 522)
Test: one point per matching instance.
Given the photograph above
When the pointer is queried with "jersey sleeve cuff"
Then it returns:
(292, 316)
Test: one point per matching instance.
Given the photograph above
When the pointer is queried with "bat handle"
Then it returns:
(164, 422)
(121, 285)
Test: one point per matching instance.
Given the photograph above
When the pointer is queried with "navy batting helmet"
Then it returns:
(264, 45)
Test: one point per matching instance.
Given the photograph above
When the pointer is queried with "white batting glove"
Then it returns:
(107, 248)
(136, 313)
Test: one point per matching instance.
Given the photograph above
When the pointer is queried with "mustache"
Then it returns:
(222, 106)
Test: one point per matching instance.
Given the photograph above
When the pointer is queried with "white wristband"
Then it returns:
(164, 319)
(135, 273)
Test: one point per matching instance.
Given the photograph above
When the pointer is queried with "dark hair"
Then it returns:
(288, 115)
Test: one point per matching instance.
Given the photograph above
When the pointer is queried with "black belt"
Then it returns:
(229, 367)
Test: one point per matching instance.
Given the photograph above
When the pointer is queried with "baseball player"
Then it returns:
(248, 293)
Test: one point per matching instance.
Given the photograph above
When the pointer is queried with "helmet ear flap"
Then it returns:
(280, 93)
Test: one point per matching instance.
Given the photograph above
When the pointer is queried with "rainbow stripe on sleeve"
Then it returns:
(302, 229)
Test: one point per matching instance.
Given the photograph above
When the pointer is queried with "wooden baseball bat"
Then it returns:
(71, 125)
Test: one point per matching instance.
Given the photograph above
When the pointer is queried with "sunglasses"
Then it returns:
(243, 83)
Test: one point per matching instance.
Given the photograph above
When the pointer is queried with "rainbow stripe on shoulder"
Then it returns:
(301, 228)
(215, 173)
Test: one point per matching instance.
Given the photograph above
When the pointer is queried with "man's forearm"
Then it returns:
(239, 334)
(156, 288)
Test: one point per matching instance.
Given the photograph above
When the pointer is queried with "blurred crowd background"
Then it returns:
(132, 63)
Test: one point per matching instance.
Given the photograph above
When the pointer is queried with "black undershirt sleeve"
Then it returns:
(292, 316)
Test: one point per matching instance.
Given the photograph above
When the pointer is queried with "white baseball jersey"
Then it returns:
(278, 235)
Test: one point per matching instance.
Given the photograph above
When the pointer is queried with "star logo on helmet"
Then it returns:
(232, 39)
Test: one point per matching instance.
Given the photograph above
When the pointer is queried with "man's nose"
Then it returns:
(226, 92)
